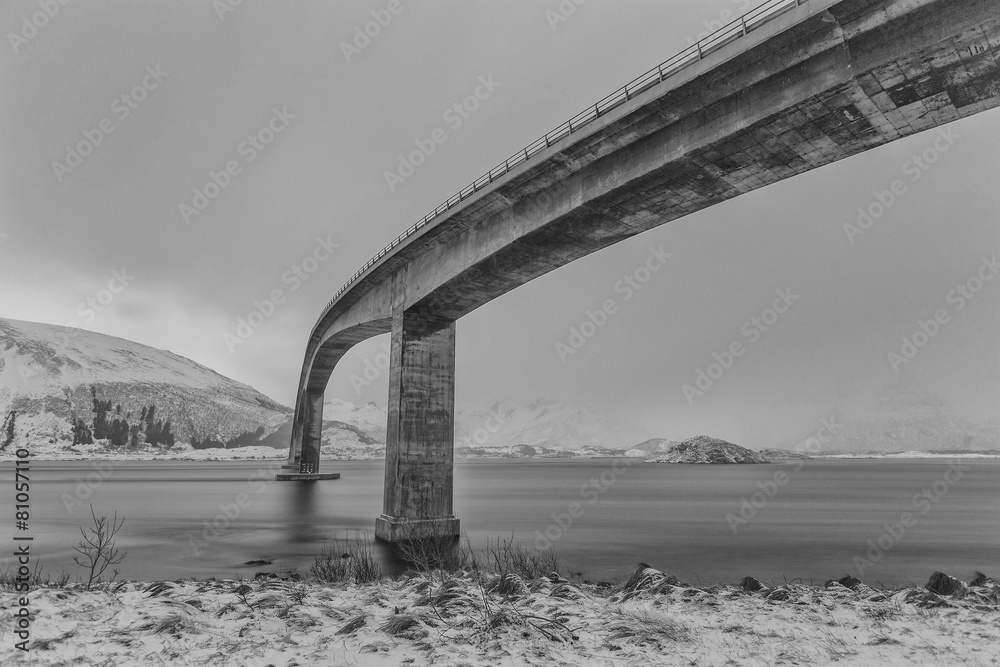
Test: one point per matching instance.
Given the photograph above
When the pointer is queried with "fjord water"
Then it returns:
(677, 518)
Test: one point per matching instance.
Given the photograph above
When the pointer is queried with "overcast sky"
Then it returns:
(200, 82)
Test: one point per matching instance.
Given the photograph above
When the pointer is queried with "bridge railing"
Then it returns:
(728, 33)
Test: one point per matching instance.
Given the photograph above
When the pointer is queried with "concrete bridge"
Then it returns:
(792, 86)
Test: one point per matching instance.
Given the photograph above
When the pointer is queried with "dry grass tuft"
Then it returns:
(43, 644)
(171, 624)
(882, 612)
(508, 584)
(406, 626)
(353, 625)
(645, 628)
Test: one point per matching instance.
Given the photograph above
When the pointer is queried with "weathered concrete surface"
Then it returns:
(312, 433)
(420, 433)
(827, 80)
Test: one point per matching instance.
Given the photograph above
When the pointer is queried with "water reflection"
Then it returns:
(182, 519)
(301, 512)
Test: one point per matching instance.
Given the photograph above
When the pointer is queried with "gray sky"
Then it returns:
(340, 125)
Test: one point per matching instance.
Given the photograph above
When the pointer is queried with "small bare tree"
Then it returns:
(97, 549)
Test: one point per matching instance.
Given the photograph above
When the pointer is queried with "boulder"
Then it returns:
(982, 580)
(751, 585)
(942, 584)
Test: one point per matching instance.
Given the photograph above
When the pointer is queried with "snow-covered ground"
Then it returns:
(421, 621)
(177, 453)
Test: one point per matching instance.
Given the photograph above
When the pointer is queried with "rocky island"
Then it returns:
(703, 449)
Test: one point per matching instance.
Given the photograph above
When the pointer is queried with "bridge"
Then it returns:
(791, 86)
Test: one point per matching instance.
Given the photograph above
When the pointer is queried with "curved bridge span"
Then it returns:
(792, 86)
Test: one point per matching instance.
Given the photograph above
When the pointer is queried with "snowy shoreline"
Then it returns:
(271, 454)
(456, 620)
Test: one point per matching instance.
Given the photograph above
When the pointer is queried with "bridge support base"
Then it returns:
(311, 439)
(305, 477)
(389, 529)
(420, 437)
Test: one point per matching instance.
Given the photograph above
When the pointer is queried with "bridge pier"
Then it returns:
(307, 438)
(419, 449)
(312, 433)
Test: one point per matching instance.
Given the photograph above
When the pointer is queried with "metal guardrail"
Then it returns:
(728, 33)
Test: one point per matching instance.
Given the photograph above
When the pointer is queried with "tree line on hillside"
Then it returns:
(116, 428)
(245, 439)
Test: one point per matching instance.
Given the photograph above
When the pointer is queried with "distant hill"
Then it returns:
(554, 425)
(652, 446)
(703, 449)
(901, 415)
(783, 454)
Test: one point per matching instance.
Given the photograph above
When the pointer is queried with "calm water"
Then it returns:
(673, 517)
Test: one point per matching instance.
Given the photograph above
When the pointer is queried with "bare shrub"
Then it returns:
(98, 550)
(505, 557)
(430, 553)
(349, 559)
(38, 578)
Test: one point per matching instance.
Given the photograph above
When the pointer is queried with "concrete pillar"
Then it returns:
(295, 446)
(420, 451)
(312, 432)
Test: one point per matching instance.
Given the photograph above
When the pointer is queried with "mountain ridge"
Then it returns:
(48, 374)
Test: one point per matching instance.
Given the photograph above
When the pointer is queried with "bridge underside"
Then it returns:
(813, 88)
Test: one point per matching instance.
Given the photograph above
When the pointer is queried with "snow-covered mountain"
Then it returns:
(650, 447)
(540, 428)
(547, 423)
(49, 374)
(901, 415)
(369, 418)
